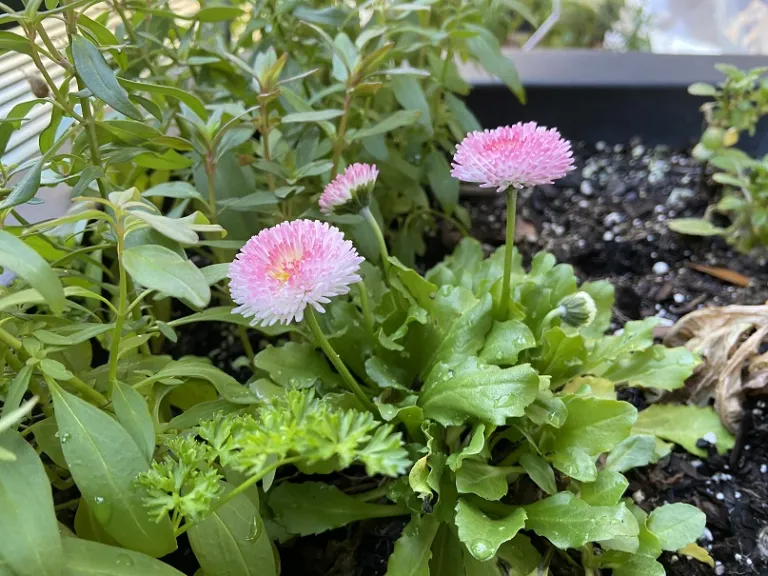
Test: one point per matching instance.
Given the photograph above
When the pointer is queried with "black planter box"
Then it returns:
(595, 95)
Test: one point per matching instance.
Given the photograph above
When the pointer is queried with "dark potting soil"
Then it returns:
(608, 220)
(731, 489)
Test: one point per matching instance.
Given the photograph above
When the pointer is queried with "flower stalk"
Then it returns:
(383, 252)
(336, 360)
(509, 250)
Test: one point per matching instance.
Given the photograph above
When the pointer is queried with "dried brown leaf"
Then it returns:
(525, 230)
(757, 373)
(721, 273)
(728, 340)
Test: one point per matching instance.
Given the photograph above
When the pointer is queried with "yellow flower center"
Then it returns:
(286, 265)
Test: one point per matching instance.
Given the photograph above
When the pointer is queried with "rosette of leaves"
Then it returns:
(738, 103)
(517, 437)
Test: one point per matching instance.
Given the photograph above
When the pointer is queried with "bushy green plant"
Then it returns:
(177, 130)
(738, 103)
(256, 105)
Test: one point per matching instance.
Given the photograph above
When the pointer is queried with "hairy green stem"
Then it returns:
(15, 364)
(383, 252)
(34, 53)
(556, 312)
(122, 309)
(93, 396)
(58, 100)
(57, 57)
(246, 342)
(336, 360)
(10, 340)
(509, 250)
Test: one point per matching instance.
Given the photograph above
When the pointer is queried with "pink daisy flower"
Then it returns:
(349, 191)
(283, 269)
(519, 156)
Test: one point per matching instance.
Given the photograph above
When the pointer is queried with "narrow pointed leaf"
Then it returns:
(26, 188)
(232, 541)
(86, 558)
(132, 412)
(99, 77)
(30, 543)
(106, 475)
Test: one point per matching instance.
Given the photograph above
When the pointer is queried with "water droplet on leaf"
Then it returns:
(502, 401)
(255, 531)
(481, 549)
(124, 560)
(101, 509)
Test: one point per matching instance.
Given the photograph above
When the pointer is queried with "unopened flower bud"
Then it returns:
(578, 309)
(350, 191)
(713, 137)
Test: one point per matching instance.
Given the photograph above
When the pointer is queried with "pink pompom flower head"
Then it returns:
(518, 156)
(283, 269)
(350, 191)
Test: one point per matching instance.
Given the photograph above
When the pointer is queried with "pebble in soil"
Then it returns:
(732, 490)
